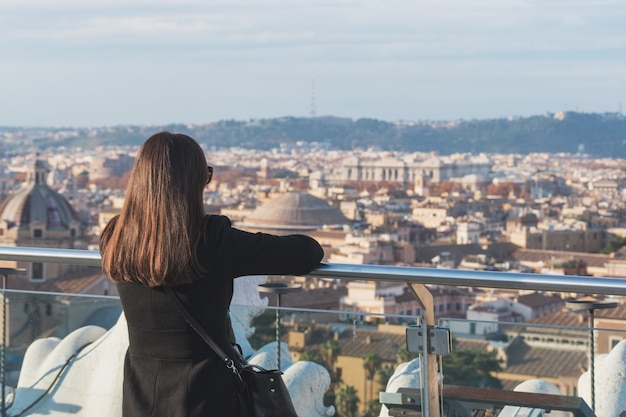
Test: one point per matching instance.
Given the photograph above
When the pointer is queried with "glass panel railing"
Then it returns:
(35, 315)
(538, 358)
(359, 353)
(375, 343)
(38, 350)
(299, 326)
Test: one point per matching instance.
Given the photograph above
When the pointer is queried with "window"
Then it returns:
(37, 233)
(36, 271)
(614, 340)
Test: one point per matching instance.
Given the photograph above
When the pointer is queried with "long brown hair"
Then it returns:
(154, 239)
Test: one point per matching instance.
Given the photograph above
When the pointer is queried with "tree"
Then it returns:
(264, 332)
(347, 402)
(404, 355)
(385, 374)
(372, 408)
(472, 368)
(371, 363)
(310, 356)
(616, 243)
(330, 351)
(504, 189)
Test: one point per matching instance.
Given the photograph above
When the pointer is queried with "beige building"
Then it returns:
(430, 216)
(394, 299)
(592, 240)
(111, 166)
(419, 173)
(613, 323)
(467, 233)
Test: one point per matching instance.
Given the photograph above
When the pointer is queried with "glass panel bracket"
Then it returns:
(438, 339)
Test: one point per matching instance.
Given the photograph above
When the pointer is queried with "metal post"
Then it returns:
(278, 331)
(428, 362)
(589, 307)
(279, 289)
(592, 367)
(4, 343)
(4, 272)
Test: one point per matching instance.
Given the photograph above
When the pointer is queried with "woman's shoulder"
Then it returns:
(217, 221)
(217, 226)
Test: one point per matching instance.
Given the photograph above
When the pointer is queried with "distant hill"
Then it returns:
(601, 135)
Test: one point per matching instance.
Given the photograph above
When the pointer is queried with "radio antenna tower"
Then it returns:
(312, 111)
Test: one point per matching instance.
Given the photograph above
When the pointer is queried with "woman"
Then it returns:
(162, 237)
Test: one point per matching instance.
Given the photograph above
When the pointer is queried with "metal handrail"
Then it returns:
(435, 276)
(412, 276)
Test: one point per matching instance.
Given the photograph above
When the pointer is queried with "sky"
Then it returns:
(101, 63)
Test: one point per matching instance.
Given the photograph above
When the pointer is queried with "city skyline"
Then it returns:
(137, 62)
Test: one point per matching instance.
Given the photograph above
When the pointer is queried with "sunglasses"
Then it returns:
(210, 171)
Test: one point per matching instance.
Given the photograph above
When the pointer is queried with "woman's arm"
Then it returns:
(248, 253)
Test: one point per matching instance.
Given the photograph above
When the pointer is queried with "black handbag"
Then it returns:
(263, 390)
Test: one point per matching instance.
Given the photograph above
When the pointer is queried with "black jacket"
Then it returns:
(169, 370)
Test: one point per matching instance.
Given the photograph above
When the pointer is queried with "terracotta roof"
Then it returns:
(74, 282)
(536, 255)
(532, 361)
(458, 252)
(620, 254)
(327, 298)
(618, 313)
(579, 319)
(361, 341)
(386, 345)
(561, 318)
(469, 344)
(539, 362)
(538, 299)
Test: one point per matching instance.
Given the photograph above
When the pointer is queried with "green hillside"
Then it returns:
(601, 135)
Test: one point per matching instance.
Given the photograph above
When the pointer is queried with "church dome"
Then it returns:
(295, 211)
(37, 202)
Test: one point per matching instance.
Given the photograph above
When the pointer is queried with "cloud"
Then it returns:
(440, 28)
(391, 55)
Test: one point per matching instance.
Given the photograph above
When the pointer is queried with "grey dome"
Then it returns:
(36, 201)
(295, 211)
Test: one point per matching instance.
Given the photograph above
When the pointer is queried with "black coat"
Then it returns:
(169, 370)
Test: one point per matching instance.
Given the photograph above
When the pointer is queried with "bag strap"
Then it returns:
(230, 364)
